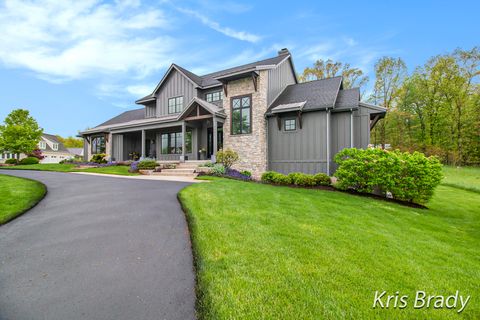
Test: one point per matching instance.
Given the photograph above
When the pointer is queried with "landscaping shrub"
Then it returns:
(267, 176)
(37, 153)
(218, 169)
(302, 179)
(99, 158)
(246, 173)
(208, 164)
(322, 179)
(227, 157)
(238, 175)
(147, 164)
(133, 167)
(407, 176)
(29, 160)
(11, 161)
(280, 178)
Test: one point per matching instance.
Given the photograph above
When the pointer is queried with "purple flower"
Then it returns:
(236, 174)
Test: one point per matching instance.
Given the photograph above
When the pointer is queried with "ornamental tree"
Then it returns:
(20, 133)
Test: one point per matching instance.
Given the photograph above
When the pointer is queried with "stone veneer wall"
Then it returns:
(251, 148)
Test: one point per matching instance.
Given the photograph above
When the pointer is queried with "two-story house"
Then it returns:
(259, 110)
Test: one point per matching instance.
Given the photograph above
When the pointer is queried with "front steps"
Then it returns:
(187, 168)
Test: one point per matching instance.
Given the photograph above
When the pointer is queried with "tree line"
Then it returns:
(434, 109)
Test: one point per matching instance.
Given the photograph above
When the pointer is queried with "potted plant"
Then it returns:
(202, 153)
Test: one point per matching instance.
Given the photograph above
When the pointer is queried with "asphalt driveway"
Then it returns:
(98, 248)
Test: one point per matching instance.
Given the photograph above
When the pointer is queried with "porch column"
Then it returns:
(143, 145)
(184, 130)
(215, 136)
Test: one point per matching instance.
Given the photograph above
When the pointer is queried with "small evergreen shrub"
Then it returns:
(267, 176)
(147, 164)
(322, 179)
(302, 179)
(280, 178)
(227, 157)
(407, 176)
(29, 160)
(99, 158)
(11, 161)
(246, 173)
(218, 170)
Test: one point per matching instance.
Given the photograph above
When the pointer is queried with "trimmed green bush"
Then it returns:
(280, 178)
(302, 179)
(11, 161)
(407, 176)
(322, 179)
(218, 169)
(29, 160)
(99, 158)
(246, 173)
(267, 176)
(227, 157)
(147, 164)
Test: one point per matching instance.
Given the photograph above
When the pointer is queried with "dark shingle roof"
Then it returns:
(318, 94)
(348, 98)
(127, 116)
(208, 79)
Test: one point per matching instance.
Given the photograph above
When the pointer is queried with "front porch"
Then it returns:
(190, 138)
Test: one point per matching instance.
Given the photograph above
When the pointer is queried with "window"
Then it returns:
(55, 146)
(172, 143)
(290, 125)
(42, 145)
(98, 145)
(175, 105)
(241, 115)
(214, 96)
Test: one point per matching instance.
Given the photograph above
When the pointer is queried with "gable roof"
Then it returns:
(347, 99)
(54, 139)
(210, 107)
(210, 80)
(318, 94)
(127, 116)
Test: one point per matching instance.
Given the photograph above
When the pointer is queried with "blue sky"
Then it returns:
(75, 65)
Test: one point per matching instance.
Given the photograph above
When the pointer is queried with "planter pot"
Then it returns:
(146, 172)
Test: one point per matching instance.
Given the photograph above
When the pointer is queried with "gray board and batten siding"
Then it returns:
(278, 78)
(305, 149)
(175, 85)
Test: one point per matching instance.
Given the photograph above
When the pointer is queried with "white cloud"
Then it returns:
(61, 40)
(240, 35)
(140, 90)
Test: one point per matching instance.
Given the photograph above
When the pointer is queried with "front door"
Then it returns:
(210, 141)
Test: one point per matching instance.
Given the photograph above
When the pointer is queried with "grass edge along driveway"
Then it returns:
(266, 252)
(18, 195)
(59, 167)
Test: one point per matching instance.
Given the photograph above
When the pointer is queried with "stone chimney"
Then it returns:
(283, 51)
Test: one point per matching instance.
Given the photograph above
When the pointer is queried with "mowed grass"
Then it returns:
(118, 170)
(467, 178)
(17, 195)
(267, 252)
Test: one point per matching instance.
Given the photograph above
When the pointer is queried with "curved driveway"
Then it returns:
(97, 248)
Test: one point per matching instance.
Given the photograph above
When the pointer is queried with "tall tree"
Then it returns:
(20, 132)
(389, 75)
(352, 77)
(71, 142)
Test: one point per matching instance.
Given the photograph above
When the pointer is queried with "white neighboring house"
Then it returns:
(52, 149)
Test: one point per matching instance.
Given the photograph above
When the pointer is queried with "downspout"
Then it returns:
(268, 142)
(351, 128)
(328, 141)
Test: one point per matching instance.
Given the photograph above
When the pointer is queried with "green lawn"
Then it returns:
(18, 195)
(266, 252)
(467, 178)
(118, 170)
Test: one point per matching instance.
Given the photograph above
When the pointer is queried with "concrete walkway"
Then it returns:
(189, 179)
(98, 247)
